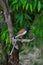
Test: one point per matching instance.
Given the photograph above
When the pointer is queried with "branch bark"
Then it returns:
(8, 21)
(5, 8)
(24, 40)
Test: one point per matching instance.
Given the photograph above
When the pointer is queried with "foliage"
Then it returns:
(24, 8)
(38, 26)
(23, 11)
(5, 37)
(26, 5)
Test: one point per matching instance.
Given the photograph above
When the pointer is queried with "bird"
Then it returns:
(22, 32)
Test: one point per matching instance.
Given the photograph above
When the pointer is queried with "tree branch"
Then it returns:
(8, 21)
(21, 40)
(24, 40)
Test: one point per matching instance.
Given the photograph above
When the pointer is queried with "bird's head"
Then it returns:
(27, 28)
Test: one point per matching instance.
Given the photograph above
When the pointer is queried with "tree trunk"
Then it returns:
(15, 55)
(14, 59)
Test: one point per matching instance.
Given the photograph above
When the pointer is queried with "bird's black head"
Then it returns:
(27, 28)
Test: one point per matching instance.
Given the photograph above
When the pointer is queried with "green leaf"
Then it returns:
(35, 3)
(27, 6)
(16, 6)
(7, 39)
(14, 1)
(21, 19)
(17, 16)
(0, 18)
(24, 52)
(37, 32)
(4, 34)
(23, 2)
(23, 6)
(39, 6)
(27, 16)
(41, 34)
(18, 19)
(31, 9)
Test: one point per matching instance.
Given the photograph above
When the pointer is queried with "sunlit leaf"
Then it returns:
(31, 8)
(4, 34)
(7, 39)
(27, 6)
(39, 6)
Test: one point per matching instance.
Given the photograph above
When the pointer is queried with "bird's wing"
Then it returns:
(21, 34)
(21, 31)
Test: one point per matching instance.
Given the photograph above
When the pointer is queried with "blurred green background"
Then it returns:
(23, 13)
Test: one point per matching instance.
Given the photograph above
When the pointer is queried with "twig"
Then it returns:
(23, 40)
